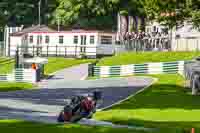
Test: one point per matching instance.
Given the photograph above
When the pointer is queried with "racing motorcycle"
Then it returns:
(79, 107)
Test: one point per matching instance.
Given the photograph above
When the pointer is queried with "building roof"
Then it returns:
(38, 28)
(76, 31)
(45, 29)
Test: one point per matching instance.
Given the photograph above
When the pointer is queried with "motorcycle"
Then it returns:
(79, 107)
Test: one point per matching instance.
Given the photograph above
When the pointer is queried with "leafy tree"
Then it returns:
(196, 19)
(85, 12)
(151, 8)
(18, 12)
(194, 10)
(94, 13)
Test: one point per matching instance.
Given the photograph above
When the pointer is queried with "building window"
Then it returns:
(47, 39)
(154, 29)
(61, 41)
(148, 30)
(178, 36)
(106, 39)
(75, 39)
(31, 39)
(91, 39)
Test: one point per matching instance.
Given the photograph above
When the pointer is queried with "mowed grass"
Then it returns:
(56, 64)
(17, 126)
(5, 65)
(166, 104)
(146, 57)
(6, 86)
(6, 68)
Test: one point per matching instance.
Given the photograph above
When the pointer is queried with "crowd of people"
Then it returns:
(144, 35)
(143, 41)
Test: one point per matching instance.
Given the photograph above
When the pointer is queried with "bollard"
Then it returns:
(192, 130)
(47, 50)
(56, 50)
(91, 70)
(17, 59)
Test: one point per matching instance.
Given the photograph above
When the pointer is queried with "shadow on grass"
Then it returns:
(24, 127)
(8, 89)
(12, 86)
(181, 126)
(14, 126)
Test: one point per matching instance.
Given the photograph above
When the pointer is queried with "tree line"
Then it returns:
(97, 13)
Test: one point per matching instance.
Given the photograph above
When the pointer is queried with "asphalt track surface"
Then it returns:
(43, 105)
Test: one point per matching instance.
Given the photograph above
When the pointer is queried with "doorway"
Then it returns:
(83, 43)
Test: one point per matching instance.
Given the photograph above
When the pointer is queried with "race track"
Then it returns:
(43, 105)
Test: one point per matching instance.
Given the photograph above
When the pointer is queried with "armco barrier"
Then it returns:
(20, 75)
(147, 68)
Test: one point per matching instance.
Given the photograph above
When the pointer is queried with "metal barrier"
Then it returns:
(147, 44)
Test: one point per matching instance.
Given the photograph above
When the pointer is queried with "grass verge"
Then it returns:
(146, 57)
(166, 104)
(6, 65)
(6, 86)
(16, 126)
(55, 64)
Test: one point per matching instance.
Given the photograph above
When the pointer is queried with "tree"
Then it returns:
(93, 13)
(151, 8)
(194, 10)
(85, 12)
(18, 12)
(196, 19)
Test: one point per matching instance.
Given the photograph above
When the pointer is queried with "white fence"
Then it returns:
(186, 44)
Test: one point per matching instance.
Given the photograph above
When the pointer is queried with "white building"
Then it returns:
(186, 38)
(154, 27)
(7, 32)
(64, 43)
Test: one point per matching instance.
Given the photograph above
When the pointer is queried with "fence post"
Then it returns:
(41, 49)
(17, 58)
(65, 51)
(37, 51)
(75, 50)
(33, 51)
(91, 70)
(56, 49)
(187, 49)
(47, 50)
